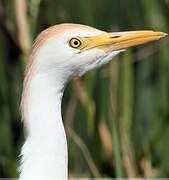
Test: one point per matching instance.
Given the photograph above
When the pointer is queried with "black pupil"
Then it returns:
(76, 43)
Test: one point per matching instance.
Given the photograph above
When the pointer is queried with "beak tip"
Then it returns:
(160, 35)
(163, 35)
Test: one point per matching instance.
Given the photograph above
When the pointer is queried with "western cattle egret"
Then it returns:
(60, 53)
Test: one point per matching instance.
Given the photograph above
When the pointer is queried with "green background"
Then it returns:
(116, 117)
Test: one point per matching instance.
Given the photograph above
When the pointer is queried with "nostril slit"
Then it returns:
(115, 36)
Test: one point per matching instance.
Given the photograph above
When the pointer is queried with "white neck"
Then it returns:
(44, 154)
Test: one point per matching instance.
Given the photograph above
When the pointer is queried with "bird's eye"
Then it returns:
(75, 43)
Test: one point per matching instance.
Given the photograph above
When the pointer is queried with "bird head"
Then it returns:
(73, 49)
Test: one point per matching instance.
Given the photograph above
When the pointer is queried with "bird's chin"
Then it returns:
(102, 60)
(108, 57)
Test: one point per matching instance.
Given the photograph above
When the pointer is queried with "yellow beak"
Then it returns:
(121, 40)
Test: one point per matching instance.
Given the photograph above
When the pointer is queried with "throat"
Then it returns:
(44, 154)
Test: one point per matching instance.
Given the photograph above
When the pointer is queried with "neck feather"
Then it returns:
(44, 154)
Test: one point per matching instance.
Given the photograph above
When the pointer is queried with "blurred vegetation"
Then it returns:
(116, 117)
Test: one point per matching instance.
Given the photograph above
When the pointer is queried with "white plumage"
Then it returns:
(52, 64)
